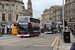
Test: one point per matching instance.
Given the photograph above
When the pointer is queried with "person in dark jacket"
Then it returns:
(72, 30)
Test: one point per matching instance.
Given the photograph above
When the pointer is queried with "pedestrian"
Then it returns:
(74, 33)
(72, 30)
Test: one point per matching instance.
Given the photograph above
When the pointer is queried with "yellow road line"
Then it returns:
(13, 41)
(56, 45)
(38, 45)
(54, 41)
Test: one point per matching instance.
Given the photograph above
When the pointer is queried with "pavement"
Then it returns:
(66, 46)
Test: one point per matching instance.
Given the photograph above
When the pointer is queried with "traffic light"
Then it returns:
(65, 23)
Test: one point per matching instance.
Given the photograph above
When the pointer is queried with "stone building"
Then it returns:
(26, 12)
(40, 18)
(52, 14)
(45, 17)
(9, 12)
(70, 12)
(29, 7)
(57, 13)
(29, 11)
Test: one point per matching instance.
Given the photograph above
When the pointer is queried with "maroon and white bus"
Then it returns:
(28, 26)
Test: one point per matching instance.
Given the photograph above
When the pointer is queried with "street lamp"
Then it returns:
(63, 16)
(63, 19)
(10, 17)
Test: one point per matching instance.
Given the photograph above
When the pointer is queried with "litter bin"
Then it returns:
(66, 37)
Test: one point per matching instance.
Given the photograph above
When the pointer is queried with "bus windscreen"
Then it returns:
(22, 19)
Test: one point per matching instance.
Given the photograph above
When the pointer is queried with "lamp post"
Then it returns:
(10, 17)
(63, 19)
(63, 16)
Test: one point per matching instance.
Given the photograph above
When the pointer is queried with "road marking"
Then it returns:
(12, 45)
(13, 41)
(38, 45)
(56, 45)
(54, 41)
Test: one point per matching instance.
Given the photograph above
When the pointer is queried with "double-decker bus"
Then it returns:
(59, 26)
(54, 27)
(28, 26)
(48, 27)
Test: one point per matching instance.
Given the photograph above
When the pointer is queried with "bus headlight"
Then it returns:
(23, 23)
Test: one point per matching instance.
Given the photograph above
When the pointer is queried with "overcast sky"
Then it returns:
(40, 5)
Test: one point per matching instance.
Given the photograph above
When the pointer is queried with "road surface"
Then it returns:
(42, 42)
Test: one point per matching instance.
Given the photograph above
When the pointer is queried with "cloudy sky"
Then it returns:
(40, 5)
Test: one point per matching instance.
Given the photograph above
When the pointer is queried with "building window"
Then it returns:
(9, 17)
(23, 11)
(20, 8)
(10, 7)
(3, 17)
(17, 8)
(16, 17)
(3, 6)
